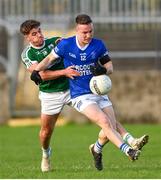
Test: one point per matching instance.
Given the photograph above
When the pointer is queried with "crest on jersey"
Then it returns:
(45, 53)
(56, 49)
(93, 55)
(38, 52)
(50, 46)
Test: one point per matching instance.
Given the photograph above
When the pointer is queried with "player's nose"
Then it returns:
(39, 35)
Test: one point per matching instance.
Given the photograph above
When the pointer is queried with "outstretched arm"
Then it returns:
(46, 62)
(50, 75)
(38, 77)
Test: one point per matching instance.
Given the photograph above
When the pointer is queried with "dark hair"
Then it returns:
(28, 25)
(83, 19)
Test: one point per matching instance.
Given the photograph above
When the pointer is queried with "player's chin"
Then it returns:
(40, 42)
(87, 41)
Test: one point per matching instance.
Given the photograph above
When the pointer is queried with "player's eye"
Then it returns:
(34, 34)
(85, 33)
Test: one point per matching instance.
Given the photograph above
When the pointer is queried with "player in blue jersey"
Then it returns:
(90, 58)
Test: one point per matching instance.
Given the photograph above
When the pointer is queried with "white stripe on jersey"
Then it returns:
(26, 59)
(54, 53)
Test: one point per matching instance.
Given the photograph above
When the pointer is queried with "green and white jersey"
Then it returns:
(32, 55)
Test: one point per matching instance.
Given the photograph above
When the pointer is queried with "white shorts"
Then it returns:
(81, 102)
(53, 103)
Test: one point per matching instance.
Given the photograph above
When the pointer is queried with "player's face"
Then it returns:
(35, 37)
(84, 33)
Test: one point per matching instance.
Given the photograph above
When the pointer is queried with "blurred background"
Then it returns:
(131, 29)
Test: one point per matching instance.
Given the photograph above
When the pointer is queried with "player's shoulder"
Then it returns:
(69, 39)
(66, 41)
(26, 51)
(53, 40)
(97, 40)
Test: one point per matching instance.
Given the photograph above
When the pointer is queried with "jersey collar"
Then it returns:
(82, 48)
(37, 47)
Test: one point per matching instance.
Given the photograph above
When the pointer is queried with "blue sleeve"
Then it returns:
(104, 50)
(60, 48)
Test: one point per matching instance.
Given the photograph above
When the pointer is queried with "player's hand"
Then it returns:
(70, 72)
(35, 76)
(98, 70)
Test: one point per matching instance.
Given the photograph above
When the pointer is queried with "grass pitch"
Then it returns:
(20, 154)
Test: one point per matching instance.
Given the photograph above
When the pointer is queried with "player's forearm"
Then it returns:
(49, 75)
(45, 62)
(109, 67)
(32, 67)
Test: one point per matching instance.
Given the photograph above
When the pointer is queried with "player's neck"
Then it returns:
(81, 45)
(37, 47)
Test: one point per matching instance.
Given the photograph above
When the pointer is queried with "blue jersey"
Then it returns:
(81, 59)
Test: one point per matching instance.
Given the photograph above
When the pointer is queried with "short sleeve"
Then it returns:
(60, 49)
(104, 49)
(27, 58)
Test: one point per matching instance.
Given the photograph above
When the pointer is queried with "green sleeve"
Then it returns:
(28, 58)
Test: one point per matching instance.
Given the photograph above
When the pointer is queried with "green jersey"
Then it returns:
(32, 55)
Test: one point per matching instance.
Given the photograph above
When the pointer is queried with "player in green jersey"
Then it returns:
(54, 87)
